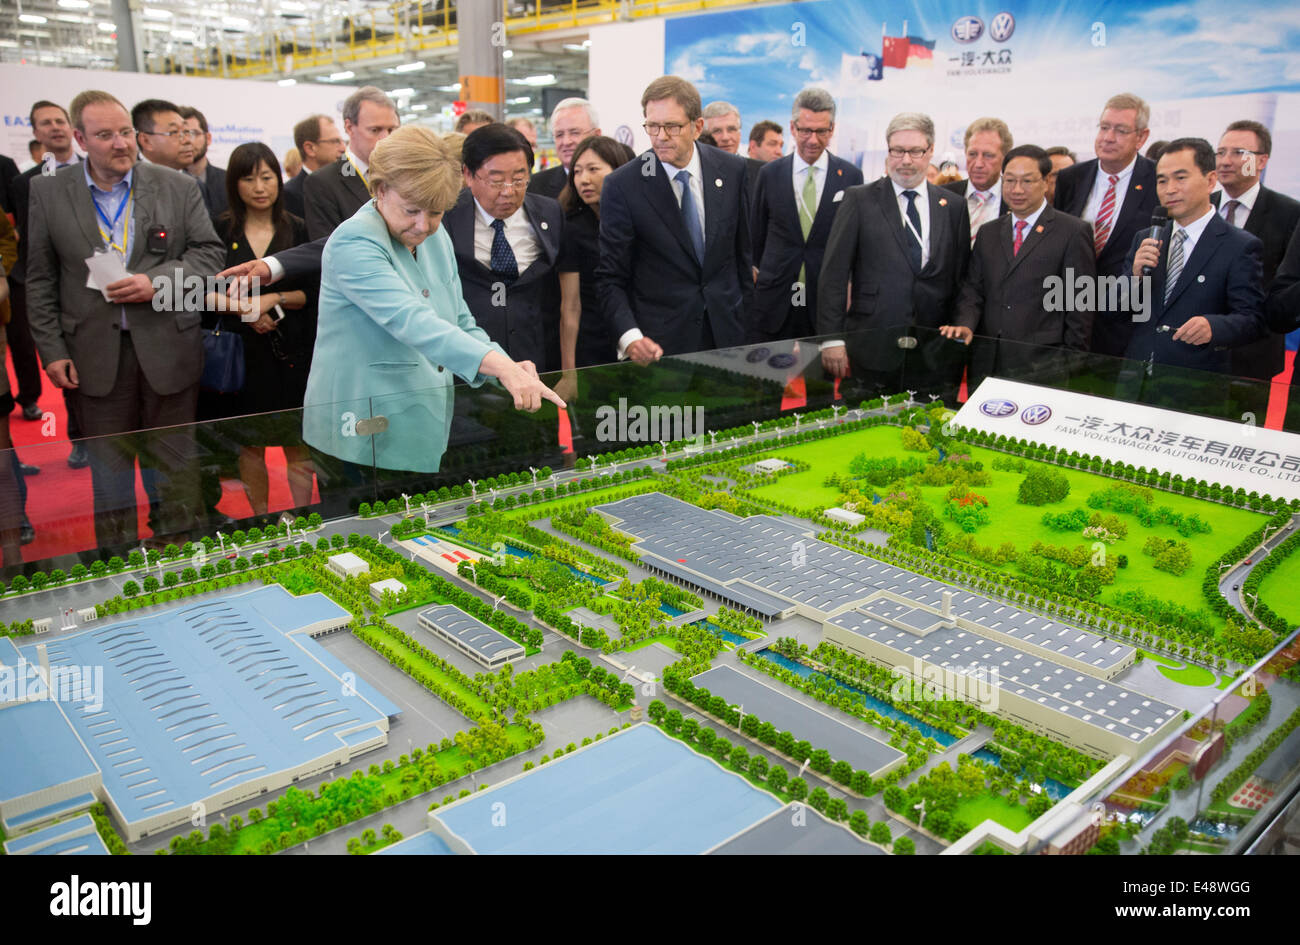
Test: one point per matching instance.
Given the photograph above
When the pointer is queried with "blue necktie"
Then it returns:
(913, 238)
(503, 257)
(690, 217)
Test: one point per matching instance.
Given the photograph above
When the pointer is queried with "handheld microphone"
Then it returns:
(1158, 220)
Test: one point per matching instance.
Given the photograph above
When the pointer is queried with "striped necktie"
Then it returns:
(980, 202)
(1105, 217)
(1175, 262)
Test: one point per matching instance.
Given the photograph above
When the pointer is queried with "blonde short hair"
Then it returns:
(418, 164)
(1127, 101)
(84, 100)
(996, 125)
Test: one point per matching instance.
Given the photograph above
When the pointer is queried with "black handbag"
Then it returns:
(223, 361)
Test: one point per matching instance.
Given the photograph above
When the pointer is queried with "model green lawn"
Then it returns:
(1280, 589)
(993, 807)
(1190, 675)
(536, 510)
(1022, 524)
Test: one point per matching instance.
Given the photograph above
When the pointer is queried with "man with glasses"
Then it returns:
(1116, 193)
(571, 120)
(1247, 204)
(507, 241)
(675, 271)
(319, 142)
(1015, 261)
(336, 191)
(212, 179)
(901, 244)
(160, 134)
(135, 366)
(795, 199)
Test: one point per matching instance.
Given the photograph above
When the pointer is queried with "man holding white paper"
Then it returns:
(102, 235)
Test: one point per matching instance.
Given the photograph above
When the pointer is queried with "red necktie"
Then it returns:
(1020, 236)
(1104, 214)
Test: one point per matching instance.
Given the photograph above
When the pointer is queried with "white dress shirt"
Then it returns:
(1029, 221)
(992, 205)
(1192, 233)
(362, 166)
(697, 191)
(1247, 201)
(1100, 184)
(519, 234)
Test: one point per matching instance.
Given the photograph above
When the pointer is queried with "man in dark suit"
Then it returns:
(134, 361)
(1206, 294)
(675, 270)
(899, 247)
(507, 242)
(8, 174)
(795, 200)
(212, 179)
(1247, 204)
(571, 120)
(1116, 193)
(1016, 262)
(722, 123)
(336, 191)
(986, 142)
(318, 140)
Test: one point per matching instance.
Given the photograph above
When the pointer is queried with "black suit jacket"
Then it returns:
(960, 187)
(1111, 331)
(214, 190)
(331, 195)
(550, 182)
(20, 194)
(1220, 280)
(293, 198)
(1003, 297)
(1273, 219)
(779, 246)
(1282, 309)
(528, 325)
(8, 174)
(648, 276)
(867, 246)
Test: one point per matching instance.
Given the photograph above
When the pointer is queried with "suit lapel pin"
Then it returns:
(544, 226)
(1039, 228)
(1137, 186)
(1200, 278)
(717, 182)
(839, 172)
(943, 202)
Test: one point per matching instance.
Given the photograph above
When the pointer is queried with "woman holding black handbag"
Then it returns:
(277, 328)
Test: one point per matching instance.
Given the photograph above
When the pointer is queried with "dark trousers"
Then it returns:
(27, 369)
(122, 427)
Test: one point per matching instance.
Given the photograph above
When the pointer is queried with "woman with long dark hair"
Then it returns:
(278, 327)
(585, 339)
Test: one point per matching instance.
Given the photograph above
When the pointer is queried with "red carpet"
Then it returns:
(59, 501)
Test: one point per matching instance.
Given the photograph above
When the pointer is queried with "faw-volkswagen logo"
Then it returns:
(1001, 27)
(1036, 414)
(967, 29)
(998, 408)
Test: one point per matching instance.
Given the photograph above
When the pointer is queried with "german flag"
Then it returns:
(920, 52)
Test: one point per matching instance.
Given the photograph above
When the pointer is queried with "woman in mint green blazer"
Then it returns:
(393, 328)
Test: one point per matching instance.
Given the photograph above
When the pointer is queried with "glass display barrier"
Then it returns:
(985, 598)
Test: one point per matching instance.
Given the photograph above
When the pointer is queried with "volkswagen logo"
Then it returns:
(967, 29)
(1001, 27)
(758, 354)
(998, 408)
(1036, 414)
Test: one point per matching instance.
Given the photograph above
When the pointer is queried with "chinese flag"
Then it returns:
(895, 52)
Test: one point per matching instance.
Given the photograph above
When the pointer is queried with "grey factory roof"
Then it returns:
(1105, 705)
(764, 554)
(470, 631)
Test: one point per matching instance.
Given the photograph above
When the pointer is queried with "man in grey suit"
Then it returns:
(134, 360)
(901, 245)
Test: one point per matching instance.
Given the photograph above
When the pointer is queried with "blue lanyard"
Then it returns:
(112, 224)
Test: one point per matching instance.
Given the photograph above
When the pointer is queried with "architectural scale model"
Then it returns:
(847, 631)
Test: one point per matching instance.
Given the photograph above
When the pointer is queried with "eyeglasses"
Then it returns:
(190, 134)
(672, 128)
(1121, 131)
(331, 141)
(166, 134)
(819, 132)
(107, 136)
(501, 184)
(914, 153)
(1236, 152)
(1012, 183)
